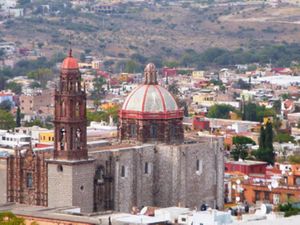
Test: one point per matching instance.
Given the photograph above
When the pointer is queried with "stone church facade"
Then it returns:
(151, 165)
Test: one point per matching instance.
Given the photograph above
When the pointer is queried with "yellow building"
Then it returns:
(107, 106)
(124, 77)
(198, 74)
(46, 137)
(204, 97)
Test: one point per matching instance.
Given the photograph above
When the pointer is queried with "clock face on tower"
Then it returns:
(70, 113)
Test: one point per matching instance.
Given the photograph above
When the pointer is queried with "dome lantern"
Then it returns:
(150, 74)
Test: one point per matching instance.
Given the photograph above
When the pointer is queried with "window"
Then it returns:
(172, 131)
(289, 196)
(123, 171)
(267, 196)
(199, 166)
(62, 138)
(146, 168)
(132, 130)
(153, 131)
(60, 168)
(29, 180)
(77, 110)
(257, 195)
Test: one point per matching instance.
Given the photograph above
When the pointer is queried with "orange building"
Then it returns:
(262, 191)
(283, 189)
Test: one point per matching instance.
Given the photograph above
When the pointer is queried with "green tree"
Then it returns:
(254, 112)
(14, 87)
(7, 120)
(285, 96)
(8, 218)
(18, 117)
(113, 112)
(98, 92)
(6, 105)
(262, 138)
(42, 75)
(97, 116)
(269, 136)
(240, 149)
(284, 138)
(294, 159)
(220, 111)
(266, 150)
(174, 89)
(132, 67)
(277, 106)
(35, 84)
(250, 112)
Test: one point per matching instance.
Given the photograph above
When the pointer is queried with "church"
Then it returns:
(152, 164)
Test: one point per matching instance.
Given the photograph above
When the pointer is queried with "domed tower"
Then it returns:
(70, 171)
(150, 113)
(70, 113)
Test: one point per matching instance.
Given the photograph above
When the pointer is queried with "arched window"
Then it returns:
(77, 110)
(29, 180)
(172, 131)
(78, 138)
(62, 108)
(99, 176)
(132, 130)
(62, 138)
(153, 131)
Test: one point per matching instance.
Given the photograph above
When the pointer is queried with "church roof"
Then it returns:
(70, 62)
(150, 100)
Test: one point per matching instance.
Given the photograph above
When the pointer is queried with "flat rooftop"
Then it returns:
(247, 162)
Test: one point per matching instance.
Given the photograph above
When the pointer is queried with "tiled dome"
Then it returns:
(150, 98)
(70, 62)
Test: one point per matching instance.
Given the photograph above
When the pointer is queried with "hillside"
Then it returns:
(157, 30)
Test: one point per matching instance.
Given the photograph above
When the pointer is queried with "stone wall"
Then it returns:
(179, 182)
(71, 184)
(134, 187)
(3, 180)
(172, 177)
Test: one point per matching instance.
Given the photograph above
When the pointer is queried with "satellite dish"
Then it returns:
(266, 208)
(246, 177)
(238, 181)
(270, 187)
(274, 184)
(237, 199)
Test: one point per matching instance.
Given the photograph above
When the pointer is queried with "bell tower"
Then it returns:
(70, 171)
(70, 114)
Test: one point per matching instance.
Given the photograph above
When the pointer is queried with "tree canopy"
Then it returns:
(284, 138)
(220, 111)
(8, 218)
(240, 149)
(7, 120)
(266, 150)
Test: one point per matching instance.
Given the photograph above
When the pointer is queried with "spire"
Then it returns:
(70, 46)
(150, 74)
